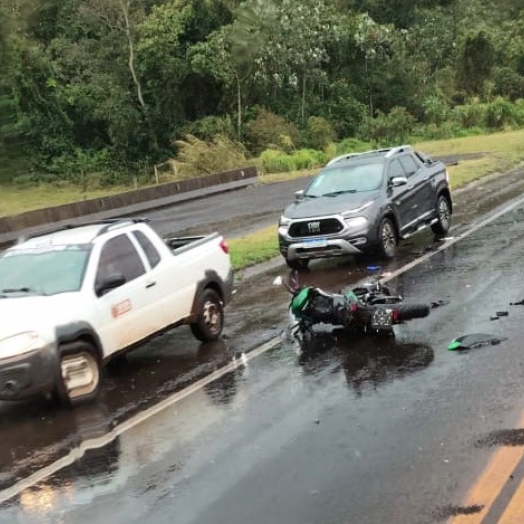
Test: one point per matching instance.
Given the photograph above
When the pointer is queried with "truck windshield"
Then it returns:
(43, 271)
(353, 178)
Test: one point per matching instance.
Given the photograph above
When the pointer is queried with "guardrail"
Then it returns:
(129, 202)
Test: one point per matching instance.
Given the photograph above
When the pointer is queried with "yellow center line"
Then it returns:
(514, 513)
(491, 482)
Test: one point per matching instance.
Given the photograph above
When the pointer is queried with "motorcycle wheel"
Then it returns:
(409, 311)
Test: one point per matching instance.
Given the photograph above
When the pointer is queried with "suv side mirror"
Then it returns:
(299, 195)
(109, 283)
(398, 181)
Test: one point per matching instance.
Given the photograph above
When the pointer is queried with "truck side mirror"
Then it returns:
(106, 284)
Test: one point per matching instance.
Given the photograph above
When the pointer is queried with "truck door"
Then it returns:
(122, 312)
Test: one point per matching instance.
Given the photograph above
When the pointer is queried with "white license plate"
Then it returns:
(312, 243)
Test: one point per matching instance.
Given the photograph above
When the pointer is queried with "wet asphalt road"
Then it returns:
(368, 431)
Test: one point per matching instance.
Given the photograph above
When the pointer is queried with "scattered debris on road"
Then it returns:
(474, 340)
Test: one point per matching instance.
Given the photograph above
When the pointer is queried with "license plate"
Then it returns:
(311, 243)
(381, 318)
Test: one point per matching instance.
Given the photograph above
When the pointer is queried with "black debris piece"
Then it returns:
(502, 313)
(439, 303)
(519, 303)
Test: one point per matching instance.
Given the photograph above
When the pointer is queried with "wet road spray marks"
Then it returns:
(95, 443)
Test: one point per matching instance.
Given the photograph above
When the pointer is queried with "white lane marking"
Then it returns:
(452, 241)
(99, 442)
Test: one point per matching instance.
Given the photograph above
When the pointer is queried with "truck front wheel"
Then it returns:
(210, 320)
(80, 373)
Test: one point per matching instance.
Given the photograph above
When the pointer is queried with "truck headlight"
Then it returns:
(356, 222)
(284, 221)
(20, 344)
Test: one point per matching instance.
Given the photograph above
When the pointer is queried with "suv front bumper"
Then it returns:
(346, 242)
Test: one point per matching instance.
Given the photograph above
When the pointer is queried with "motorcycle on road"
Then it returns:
(370, 308)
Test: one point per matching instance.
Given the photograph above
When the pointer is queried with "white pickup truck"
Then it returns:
(73, 299)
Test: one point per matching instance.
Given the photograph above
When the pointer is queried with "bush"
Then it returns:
(501, 113)
(268, 130)
(197, 157)
(273, 161)
(508, 83)
(210, 126)
(320, 132)
(308, 158)
(436, 110)
(470, 115)
(352, 145)
(393, 128)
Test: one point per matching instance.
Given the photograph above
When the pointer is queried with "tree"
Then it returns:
(475, 63)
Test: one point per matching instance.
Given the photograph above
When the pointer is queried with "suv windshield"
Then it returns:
(353, 178)
(43, 271)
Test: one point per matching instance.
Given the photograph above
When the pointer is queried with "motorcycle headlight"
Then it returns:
(356, 222)
(284, 221)
(20, 344)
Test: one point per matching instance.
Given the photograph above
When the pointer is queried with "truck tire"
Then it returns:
(298, 263)
(409, 311)
(387, 239)
(210, 320)
(80, 373)
(443, 210)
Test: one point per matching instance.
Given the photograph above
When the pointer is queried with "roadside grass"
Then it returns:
(16, 200)
(254, 248)
(500, 152)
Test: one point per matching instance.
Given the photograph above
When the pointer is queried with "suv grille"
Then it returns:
(314, 228)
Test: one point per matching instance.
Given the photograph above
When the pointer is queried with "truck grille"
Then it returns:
(315, 228)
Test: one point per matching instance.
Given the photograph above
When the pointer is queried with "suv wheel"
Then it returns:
(387, 238)
(297, 263)
(443, 210)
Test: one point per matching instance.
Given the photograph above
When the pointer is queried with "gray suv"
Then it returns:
(366, 201)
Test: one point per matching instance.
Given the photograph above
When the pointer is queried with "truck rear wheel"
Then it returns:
(210, 320)
(80, 373)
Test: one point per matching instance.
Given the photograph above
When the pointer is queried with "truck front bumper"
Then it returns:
(28, 374)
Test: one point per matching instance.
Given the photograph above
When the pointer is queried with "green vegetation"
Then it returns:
(96, 93)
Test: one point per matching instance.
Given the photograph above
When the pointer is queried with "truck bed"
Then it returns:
(181, 244)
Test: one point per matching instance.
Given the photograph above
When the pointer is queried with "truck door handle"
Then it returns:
(151, 284)
(409, 188)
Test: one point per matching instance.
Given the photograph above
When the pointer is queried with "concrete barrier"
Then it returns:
(50, 215)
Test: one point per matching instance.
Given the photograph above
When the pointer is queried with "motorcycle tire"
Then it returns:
(409, 311)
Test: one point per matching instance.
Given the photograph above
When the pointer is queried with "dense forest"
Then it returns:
(113, 86)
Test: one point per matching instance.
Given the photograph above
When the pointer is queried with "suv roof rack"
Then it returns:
(108, 223)
(398, 149)
(347, 156)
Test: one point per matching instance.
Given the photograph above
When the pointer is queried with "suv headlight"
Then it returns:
(356, 222)
(20, 344)
(284, 221)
